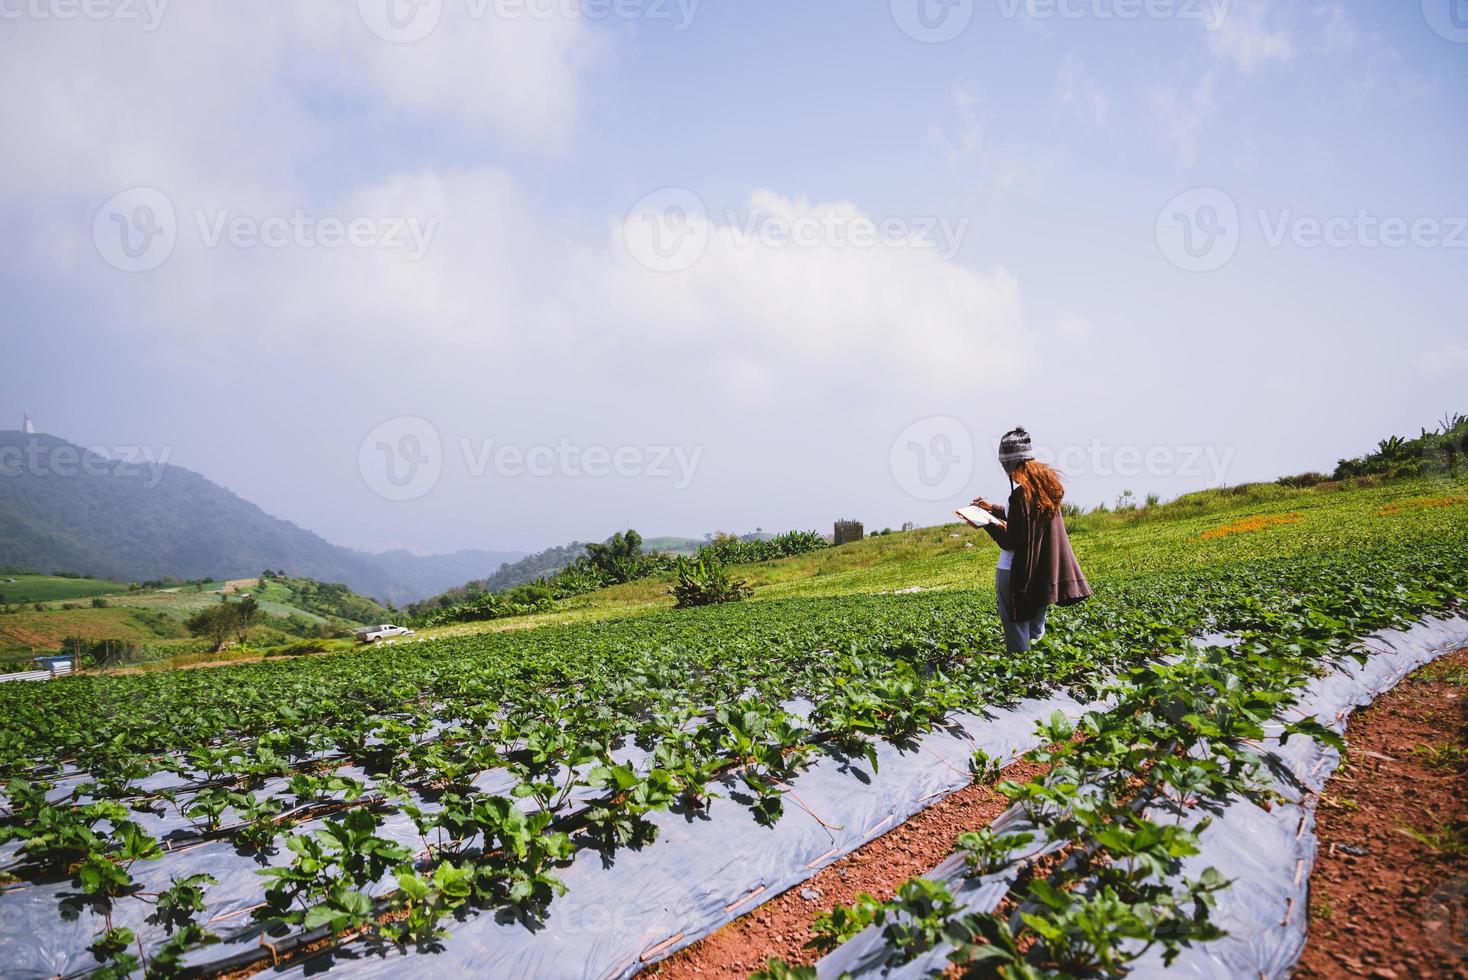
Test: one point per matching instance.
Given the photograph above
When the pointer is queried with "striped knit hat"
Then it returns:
(1014, 448)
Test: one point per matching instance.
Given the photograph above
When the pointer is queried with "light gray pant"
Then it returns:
(1017, 636)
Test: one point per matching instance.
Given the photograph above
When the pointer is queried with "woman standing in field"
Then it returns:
(1037, 568)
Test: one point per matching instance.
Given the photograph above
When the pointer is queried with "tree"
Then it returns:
(244, 612)
(619, 558)
(215, 624)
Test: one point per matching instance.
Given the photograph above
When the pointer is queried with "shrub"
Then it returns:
(703, 582)
(1441, 451)
(1301, 481)
(620, 558)
(301, 649)
(101, 653)
(730, 550)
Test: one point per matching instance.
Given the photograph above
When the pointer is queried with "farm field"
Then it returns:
(909, 490)
(153, 619)
(1166, 537)
(23, 587)
(403, 799)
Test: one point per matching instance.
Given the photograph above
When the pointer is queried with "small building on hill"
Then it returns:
(847, 531)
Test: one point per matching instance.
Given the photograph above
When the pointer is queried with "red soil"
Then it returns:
(781, 927)
(1383, 904)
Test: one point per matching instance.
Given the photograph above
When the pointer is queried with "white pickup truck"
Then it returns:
(371, 634)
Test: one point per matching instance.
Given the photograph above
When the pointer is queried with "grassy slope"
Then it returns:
(1109, 545)
(46, 588)
(24, 632)
(1164, 538)
(151, 617)
(672, 545)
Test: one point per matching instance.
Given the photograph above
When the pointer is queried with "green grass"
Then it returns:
(1159, 539)
(672, 545)
(28, 632)
(53, 588)
(152, 620)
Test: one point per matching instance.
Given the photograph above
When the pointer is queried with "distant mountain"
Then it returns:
(529, 568)
(63, 510)
(690, 546)
(672, 545)
(510, 574)
(546, 563)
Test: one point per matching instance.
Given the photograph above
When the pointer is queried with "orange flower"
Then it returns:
(1418, 503)
(1249, 524)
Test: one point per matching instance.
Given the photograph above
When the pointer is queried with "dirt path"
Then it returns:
(781, 927)
(1382, 903)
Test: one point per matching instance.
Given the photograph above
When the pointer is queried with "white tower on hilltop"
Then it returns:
(28, 426)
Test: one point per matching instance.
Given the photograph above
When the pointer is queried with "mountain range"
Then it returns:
(65, 509)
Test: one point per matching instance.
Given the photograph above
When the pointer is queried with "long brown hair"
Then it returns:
(1041, 486)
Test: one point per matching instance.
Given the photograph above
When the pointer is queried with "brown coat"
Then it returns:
(1045, 571)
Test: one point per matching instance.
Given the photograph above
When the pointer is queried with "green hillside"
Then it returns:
(1171, 537)
(140, 624)
(77, 511)
(25, 587)
(1297, 575)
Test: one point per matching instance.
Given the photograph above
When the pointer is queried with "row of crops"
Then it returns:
(511, 753)
(1093, 868)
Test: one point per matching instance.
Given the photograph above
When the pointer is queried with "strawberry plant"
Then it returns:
(308, 758)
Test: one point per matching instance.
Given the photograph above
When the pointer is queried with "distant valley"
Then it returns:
(112, 521)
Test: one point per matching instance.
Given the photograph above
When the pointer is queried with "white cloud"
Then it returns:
(225, 102)
(1075, 88)
(497, 283)
(903, 314)
(1074, 328)
(516, 77)
(1237, 38)
(1374, 60)
(1339, 33)
(1449, 360)
(1179, 118)
(1237, 32)
(228, 110)
(961, 139)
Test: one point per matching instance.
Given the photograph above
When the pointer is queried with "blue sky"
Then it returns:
(792, 380)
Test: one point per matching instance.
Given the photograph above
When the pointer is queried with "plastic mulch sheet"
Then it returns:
(707, 870)
(702, 871)
(1268, 854)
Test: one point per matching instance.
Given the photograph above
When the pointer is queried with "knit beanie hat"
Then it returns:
(1015, 448)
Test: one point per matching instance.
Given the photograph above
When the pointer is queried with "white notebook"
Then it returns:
(977, 516)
